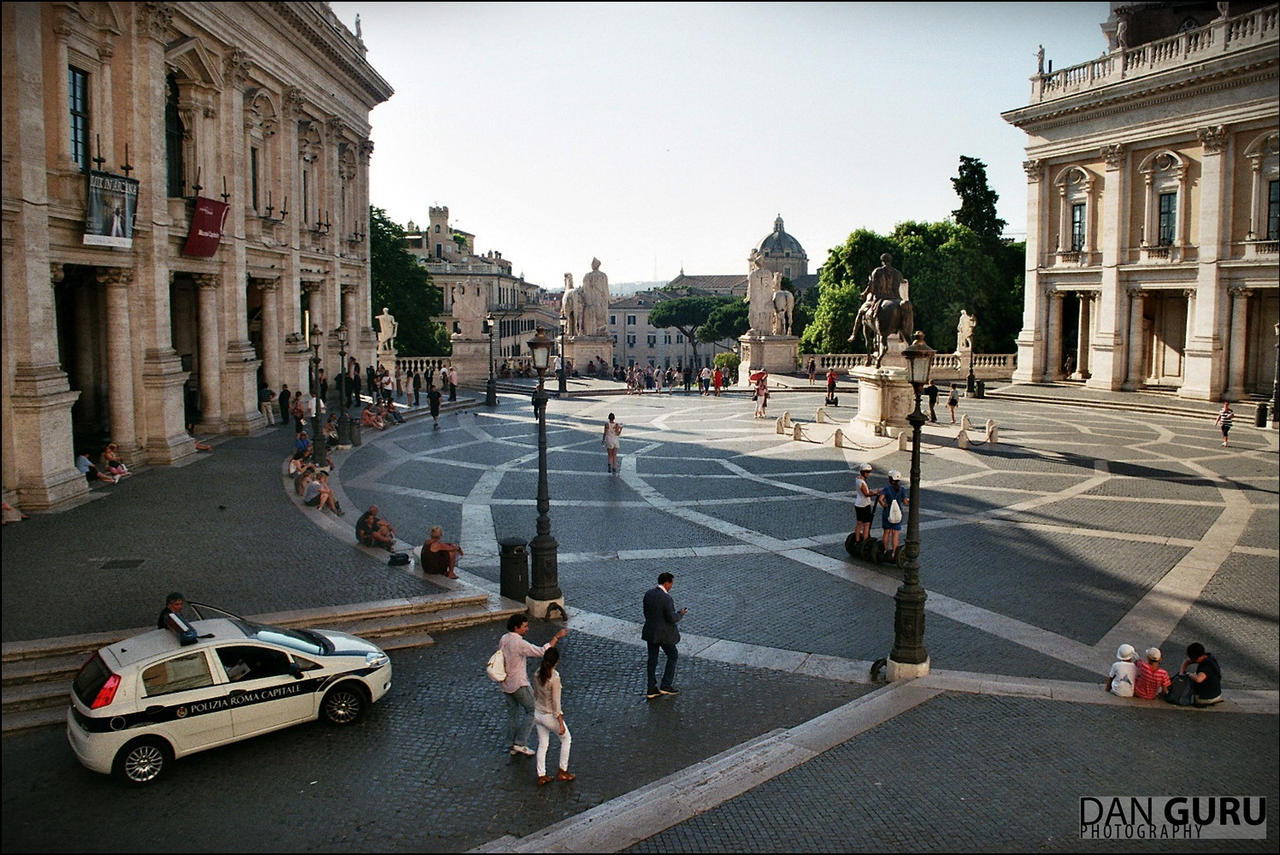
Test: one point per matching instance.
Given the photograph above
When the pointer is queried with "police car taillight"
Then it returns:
(107, 693)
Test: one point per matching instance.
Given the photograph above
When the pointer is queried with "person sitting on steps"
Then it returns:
(438, 556)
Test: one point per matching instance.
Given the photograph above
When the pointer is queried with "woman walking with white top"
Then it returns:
(612, 430)
(548, 716)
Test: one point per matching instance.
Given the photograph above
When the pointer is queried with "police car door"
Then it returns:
(262, 689)
(180, 699)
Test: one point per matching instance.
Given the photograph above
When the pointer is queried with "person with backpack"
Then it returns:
(1207, 678)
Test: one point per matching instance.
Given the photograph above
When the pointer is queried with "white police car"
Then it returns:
(138, 704)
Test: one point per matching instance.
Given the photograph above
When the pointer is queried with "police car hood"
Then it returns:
(349, 645)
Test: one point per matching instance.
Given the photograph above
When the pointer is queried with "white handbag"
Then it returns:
(496, 667)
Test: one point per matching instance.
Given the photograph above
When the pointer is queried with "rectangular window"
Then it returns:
(78, 102)
(253, 177)
(631, 320)
(653, 339)
(613, 320)
(1273, 211)
(631, 341)
(1077, 227)
(306, 195)
(679, 339)
(1168, 218)
(666, 338)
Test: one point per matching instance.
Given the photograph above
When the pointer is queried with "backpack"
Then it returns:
(397, 559)
(496, 667)
(1181, 691)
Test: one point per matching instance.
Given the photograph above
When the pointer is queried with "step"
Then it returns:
(36, 695)
(17, 722)
(45, 668)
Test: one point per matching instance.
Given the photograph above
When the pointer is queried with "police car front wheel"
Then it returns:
(344, 704)
(143, 761)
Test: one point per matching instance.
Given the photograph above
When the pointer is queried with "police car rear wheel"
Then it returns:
(343, 705)
(143, 761)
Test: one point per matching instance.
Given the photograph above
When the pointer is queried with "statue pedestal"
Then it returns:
(777, 354)
(387, 359)
(471, 357)
(885, 397)
(581, 349)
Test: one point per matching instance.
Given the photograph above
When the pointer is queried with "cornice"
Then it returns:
(318, 34)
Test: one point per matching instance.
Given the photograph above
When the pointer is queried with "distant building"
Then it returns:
(636, 341)
(517, 306)
(132, 306)
(1153, 205)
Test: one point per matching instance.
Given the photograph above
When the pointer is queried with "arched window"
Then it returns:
(1075, 214)
(174, 133)
(1263, 155)
(1163, 236)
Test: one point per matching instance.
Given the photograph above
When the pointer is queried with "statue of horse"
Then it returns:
(574, 306)
(783, 309)
(883, 320)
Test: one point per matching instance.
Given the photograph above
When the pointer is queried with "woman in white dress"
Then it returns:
(612, 430)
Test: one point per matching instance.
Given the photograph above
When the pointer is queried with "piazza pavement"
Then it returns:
(1084, 527)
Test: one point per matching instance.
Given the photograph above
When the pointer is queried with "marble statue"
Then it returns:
(387, 328)
(595, 295)
(964, 330)
(573, 305)
(784, 303)
(759, 299)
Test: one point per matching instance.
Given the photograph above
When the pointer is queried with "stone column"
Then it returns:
(210, 353)
(1053, 335)
(1236, 345)
(116, 281)
(1031, 340)
(1107, 363)
(1084, 334)
(1135, 371)
(272, 335)
(1204, 376)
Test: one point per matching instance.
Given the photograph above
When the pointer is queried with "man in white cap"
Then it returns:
(894, 492)
(864, 499)
(1152, 680)
(1123, 672)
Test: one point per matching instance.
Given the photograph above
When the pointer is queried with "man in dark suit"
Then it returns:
(660, 617)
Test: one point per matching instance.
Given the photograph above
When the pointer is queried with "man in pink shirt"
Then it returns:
(519, 694)
(1152, 680)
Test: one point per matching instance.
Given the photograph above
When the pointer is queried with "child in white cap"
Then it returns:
(1123, 672)
(1152, 680)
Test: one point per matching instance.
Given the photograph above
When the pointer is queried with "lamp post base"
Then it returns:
(541, 608)
(491, 393)
(905, 671)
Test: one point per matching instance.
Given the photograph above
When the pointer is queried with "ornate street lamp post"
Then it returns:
(1275, 380)
(344, 422)
(317, 433)
(491, 388)
(564, 364)
(544, 592)
(972, 380)
(909, 657)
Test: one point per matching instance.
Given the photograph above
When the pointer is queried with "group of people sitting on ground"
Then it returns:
(109, 469)
(1131, 677)
(373, 530)
(304, 452)
(380, 415)
(312, 484)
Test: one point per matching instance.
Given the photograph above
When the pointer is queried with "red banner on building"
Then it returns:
(207, 221)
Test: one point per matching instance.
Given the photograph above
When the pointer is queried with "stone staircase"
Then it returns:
(37, 674)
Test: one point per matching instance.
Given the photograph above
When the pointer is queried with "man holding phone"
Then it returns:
(660, 618)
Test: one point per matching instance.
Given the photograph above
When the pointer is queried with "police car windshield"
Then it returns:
(301, 640)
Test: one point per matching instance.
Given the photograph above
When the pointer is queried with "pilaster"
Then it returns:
(1212, 309)
(1108, 362)
(1031, 340)
(116, 283)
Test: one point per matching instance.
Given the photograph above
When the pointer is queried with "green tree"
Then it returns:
(685, 314)
(977, 200)
(404, 286)
(725, 321)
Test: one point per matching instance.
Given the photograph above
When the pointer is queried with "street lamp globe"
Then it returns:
(919, 358)
(540, 350)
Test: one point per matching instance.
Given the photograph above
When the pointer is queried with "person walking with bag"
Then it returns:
(1225, 416)
(515, 688)
(612, 430)
(893, 494)
(549, 718)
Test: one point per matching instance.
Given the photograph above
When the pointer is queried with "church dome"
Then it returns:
(779, 244)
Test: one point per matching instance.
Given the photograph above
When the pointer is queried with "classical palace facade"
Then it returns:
(1153, 206)
(185, 199)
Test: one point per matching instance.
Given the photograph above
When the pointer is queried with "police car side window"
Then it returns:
(190, 671)
(305, 664)
(248, 662)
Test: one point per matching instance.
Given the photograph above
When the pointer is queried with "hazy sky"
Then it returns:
(659, 136)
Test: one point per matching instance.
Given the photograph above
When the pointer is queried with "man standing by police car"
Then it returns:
(173, 605)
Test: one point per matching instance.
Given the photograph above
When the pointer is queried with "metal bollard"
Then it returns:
(1260, 417)
(514, 562)
(980, 389)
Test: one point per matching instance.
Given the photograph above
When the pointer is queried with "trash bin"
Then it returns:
(514, 563)
(1260, 417)
(355, 431)
(980, 389)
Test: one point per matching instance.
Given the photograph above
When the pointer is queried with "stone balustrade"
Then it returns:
(1224, 36)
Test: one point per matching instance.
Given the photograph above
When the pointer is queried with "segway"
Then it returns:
(851, 546)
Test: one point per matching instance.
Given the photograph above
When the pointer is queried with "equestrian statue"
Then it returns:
(885, 310)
